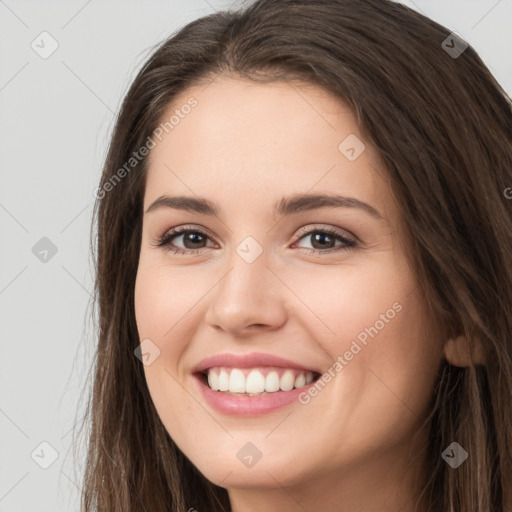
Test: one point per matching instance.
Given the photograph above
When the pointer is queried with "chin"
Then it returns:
(267, 472)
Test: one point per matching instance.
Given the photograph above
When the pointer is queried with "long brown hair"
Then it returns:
(443, 126)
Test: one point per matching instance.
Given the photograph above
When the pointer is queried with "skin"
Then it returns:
(244, 147)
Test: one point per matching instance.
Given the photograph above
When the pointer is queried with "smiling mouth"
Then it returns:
(255, 381)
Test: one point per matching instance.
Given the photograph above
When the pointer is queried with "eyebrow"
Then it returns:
(286, 206)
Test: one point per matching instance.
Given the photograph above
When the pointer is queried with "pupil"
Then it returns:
(192, 237)
(321, 235)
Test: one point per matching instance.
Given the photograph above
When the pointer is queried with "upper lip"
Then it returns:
(253, 360)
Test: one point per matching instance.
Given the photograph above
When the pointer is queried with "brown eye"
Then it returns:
(193, 240)
(324, 241)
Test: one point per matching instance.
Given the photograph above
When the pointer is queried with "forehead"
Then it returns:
(244, 144)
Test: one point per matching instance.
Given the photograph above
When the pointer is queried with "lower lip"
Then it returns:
(249, 405)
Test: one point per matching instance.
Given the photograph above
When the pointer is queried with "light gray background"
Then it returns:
(56, 117)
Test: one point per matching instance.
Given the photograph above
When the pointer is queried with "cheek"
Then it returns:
(342, 302)
(158, 306)
(163, 298)
(374, 323)
(164, 305)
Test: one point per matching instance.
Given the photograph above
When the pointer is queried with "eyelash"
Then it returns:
(168, 237)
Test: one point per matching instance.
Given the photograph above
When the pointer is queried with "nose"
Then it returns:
(248, 298)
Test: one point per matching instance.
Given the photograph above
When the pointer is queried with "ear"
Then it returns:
(457, 352)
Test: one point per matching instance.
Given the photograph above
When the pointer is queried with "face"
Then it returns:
(282, 291)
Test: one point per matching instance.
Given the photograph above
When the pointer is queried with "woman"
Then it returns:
(303, 270)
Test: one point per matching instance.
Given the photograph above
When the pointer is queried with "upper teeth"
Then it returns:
(255, 381)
